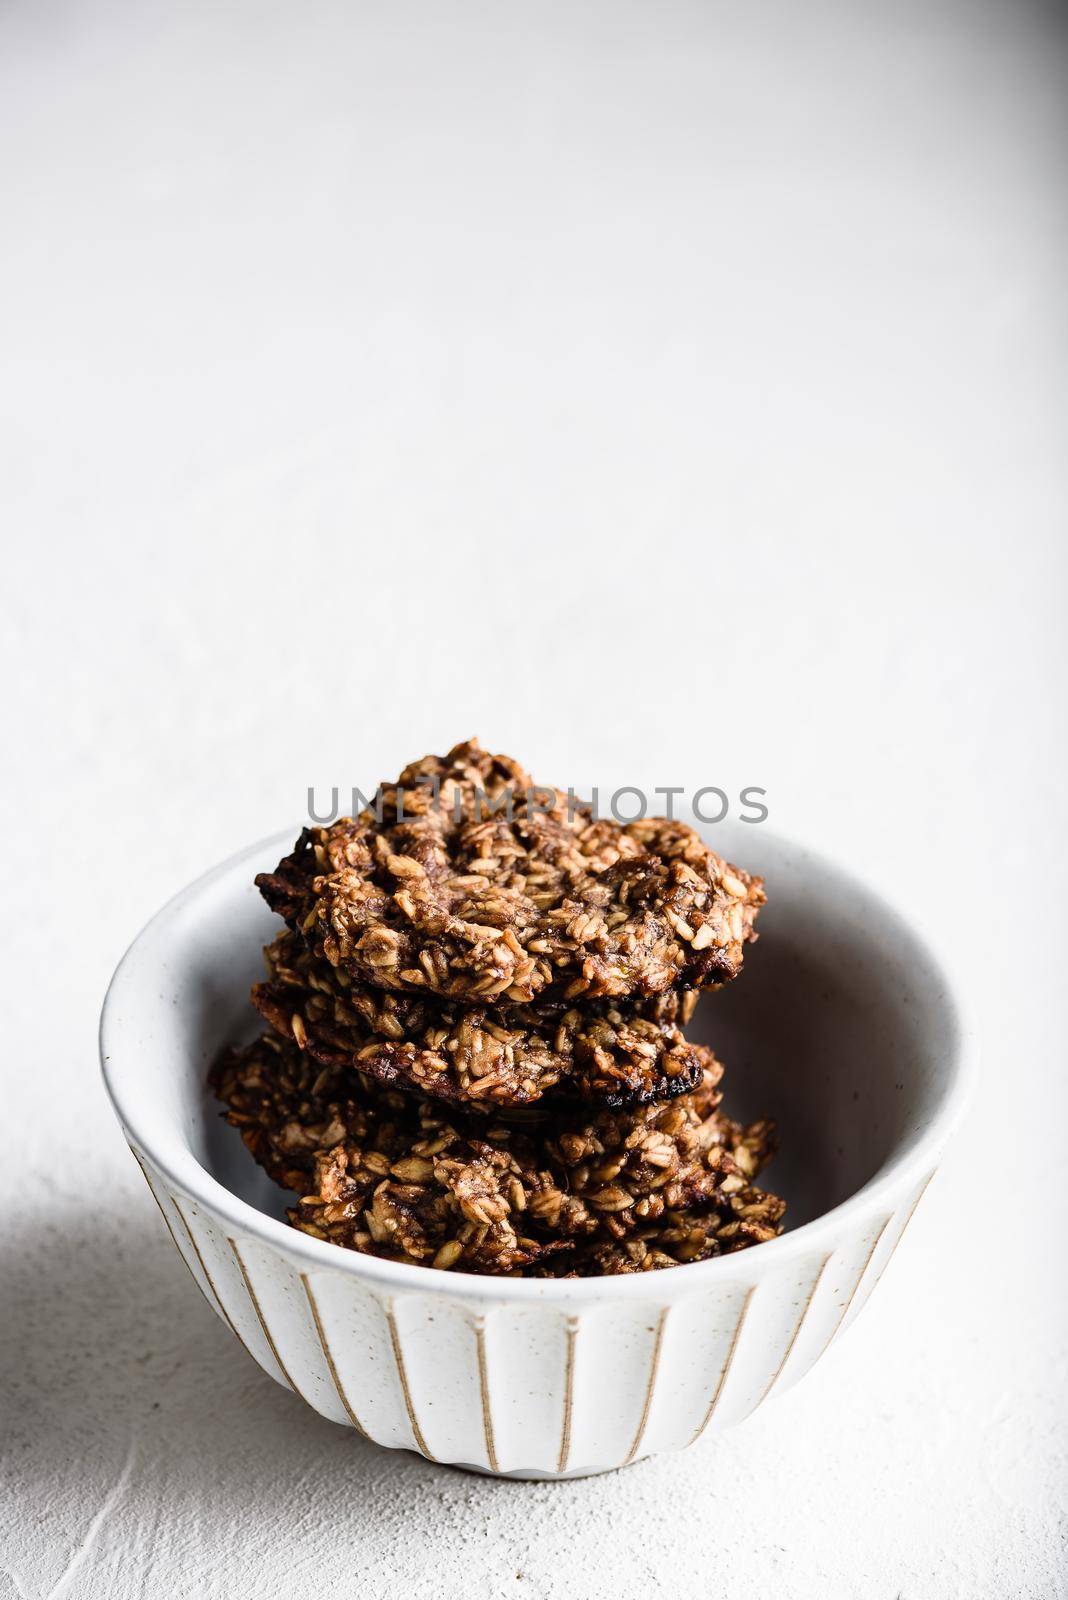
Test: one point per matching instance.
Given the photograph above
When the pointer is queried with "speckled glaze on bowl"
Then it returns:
(842, 1026)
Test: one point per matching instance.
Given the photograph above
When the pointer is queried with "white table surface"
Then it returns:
(667, 394)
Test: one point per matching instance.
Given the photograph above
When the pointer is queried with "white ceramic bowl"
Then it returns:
(842, 1026)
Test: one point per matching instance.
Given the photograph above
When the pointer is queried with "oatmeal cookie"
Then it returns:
(478, 884)
(753, 1217)
(469, 1053)
(613, 1191)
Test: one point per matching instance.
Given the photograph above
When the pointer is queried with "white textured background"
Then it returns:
(669, 393)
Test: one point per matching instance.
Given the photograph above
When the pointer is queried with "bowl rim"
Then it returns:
(915, 1162)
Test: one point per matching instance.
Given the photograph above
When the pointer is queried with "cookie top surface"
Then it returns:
(467, 879)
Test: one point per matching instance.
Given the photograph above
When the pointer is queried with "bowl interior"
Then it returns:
(840, 1026)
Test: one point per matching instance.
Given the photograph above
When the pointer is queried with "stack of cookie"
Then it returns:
(476, 1057)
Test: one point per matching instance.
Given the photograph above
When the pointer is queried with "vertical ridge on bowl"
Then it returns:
(804, 1315)
(650, 1388)
(351, 1327)
(563, 1460)
(228, 1287)
(328, 1356)
(880, 1258)
(402, 1377)
(450, 1376)
(529, 1372)
(484, 1395)
(762, 1340)
(272, 1344)
(211, 1294)
(850, 1266)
